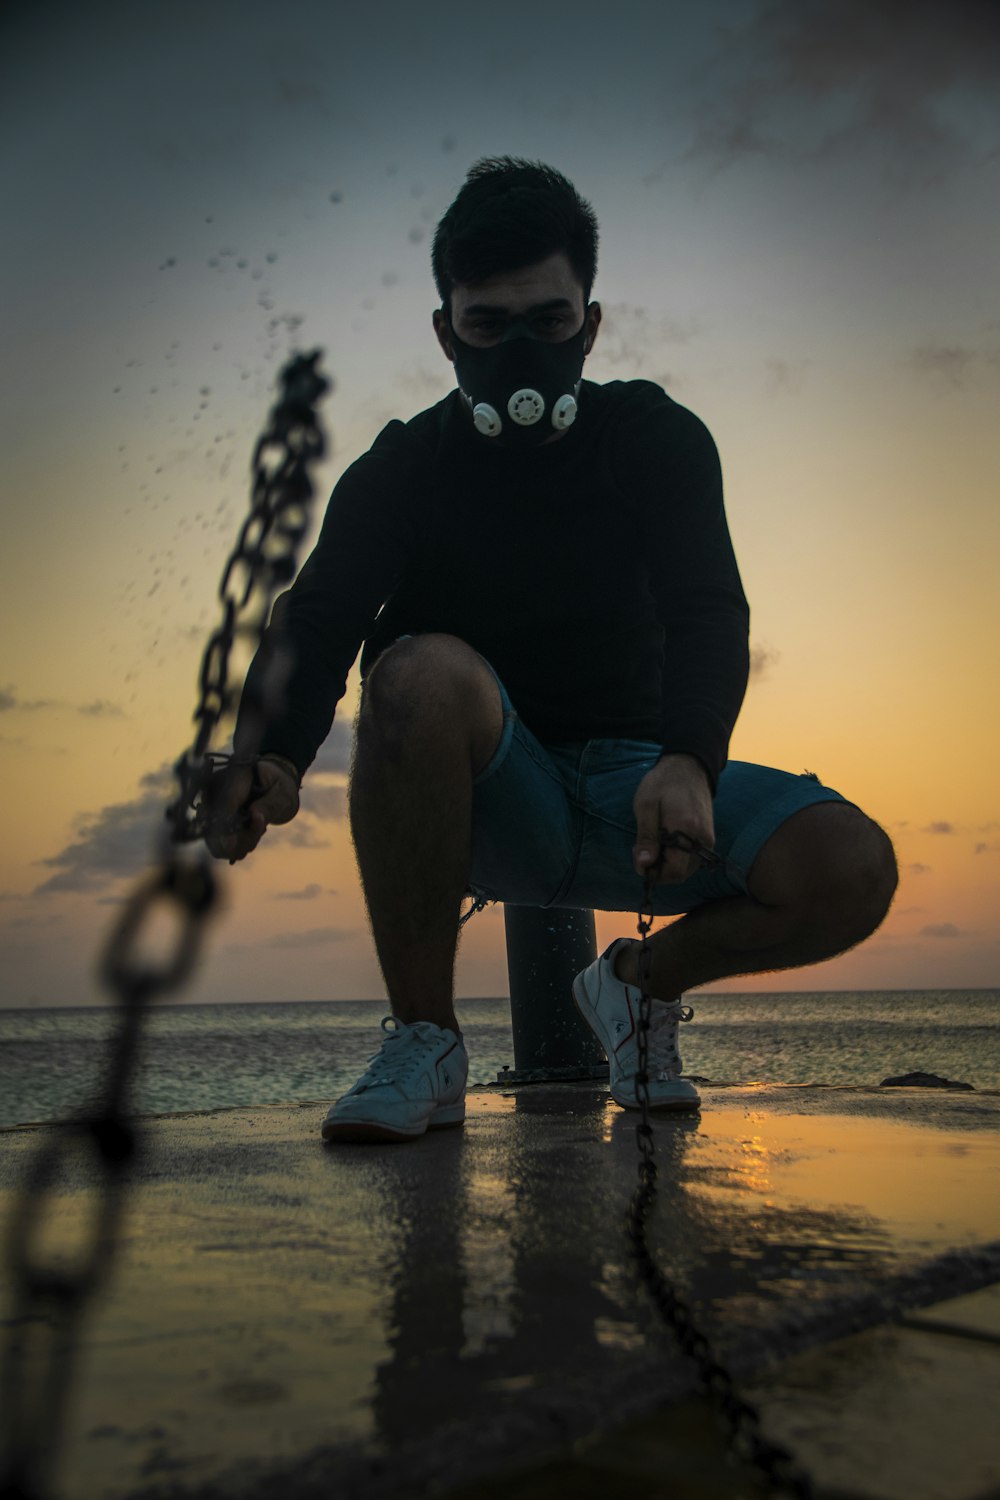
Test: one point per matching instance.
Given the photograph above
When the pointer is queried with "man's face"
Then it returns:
(547, 295)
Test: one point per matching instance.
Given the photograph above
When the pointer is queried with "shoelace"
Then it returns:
(664, 1055)
(402, 1051)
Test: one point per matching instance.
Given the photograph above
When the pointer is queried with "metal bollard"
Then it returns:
(546, 949)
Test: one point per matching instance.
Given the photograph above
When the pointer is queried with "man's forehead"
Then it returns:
(551, 304)
(550, 284)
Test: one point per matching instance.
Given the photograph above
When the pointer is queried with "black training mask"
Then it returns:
(524, 387)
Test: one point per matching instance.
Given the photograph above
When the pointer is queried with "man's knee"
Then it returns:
(431, 684)
(830, 858)
(875, 872)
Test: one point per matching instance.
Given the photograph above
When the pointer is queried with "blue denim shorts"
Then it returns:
(553, 825)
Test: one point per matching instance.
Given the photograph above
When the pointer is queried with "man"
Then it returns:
(555, 654)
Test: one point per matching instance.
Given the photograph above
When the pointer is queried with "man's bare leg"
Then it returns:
(821, 884)
(431, 718)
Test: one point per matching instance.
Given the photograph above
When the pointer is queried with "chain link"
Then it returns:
(51, 1296)
(776, 1466)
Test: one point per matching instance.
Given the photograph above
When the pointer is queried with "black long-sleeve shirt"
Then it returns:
(596, 574)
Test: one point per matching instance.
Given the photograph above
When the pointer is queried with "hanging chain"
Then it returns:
(51, 1297)
(780, 1472)
(263, 559)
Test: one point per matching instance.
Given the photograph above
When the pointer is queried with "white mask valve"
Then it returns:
(526, 407)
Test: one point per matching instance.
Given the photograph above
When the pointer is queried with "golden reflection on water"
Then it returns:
(488, 1257)
(755, 1162)
(901, 1175)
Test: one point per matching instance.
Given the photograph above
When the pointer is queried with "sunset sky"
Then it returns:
(800, 231)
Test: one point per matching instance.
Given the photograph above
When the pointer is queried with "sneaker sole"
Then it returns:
(449, 1117)
(663, 1106)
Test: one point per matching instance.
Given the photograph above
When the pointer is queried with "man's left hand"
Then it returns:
(674, 796)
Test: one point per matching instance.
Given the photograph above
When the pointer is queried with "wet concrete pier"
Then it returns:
(459, 1316)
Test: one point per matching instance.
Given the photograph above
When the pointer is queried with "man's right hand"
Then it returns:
(239, 813)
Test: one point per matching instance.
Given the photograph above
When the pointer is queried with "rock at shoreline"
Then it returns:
(923, 1081)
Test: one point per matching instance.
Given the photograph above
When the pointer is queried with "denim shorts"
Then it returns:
(553, 825)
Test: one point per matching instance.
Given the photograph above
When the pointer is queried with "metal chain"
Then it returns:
(51, 1297)
(775, 1464)
(263, 559)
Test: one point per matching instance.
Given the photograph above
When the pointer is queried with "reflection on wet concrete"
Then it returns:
(893, 1414)
(374, 1318)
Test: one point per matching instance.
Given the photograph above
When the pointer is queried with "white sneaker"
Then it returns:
(415, 1082)
(611, 1010)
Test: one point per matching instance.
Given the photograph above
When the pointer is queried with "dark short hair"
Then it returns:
(511, 213)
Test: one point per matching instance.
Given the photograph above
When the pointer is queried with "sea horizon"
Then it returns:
(182, 1004)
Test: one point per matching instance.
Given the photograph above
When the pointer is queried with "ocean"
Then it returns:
(198, 1057)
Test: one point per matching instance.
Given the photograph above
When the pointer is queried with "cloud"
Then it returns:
(829, 79)
(984, 848)
(100, 708)
(783, 377)
(9, 701)
(941, 930)
(116, 843)
(120, 840)
(312, 937)
(300, 834)
(335, 752)
(307, 893)
(916, 868)
(939, 827)
(762, 659)
(955, 366)
(324, 799)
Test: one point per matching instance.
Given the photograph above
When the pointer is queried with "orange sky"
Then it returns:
(811, 272)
